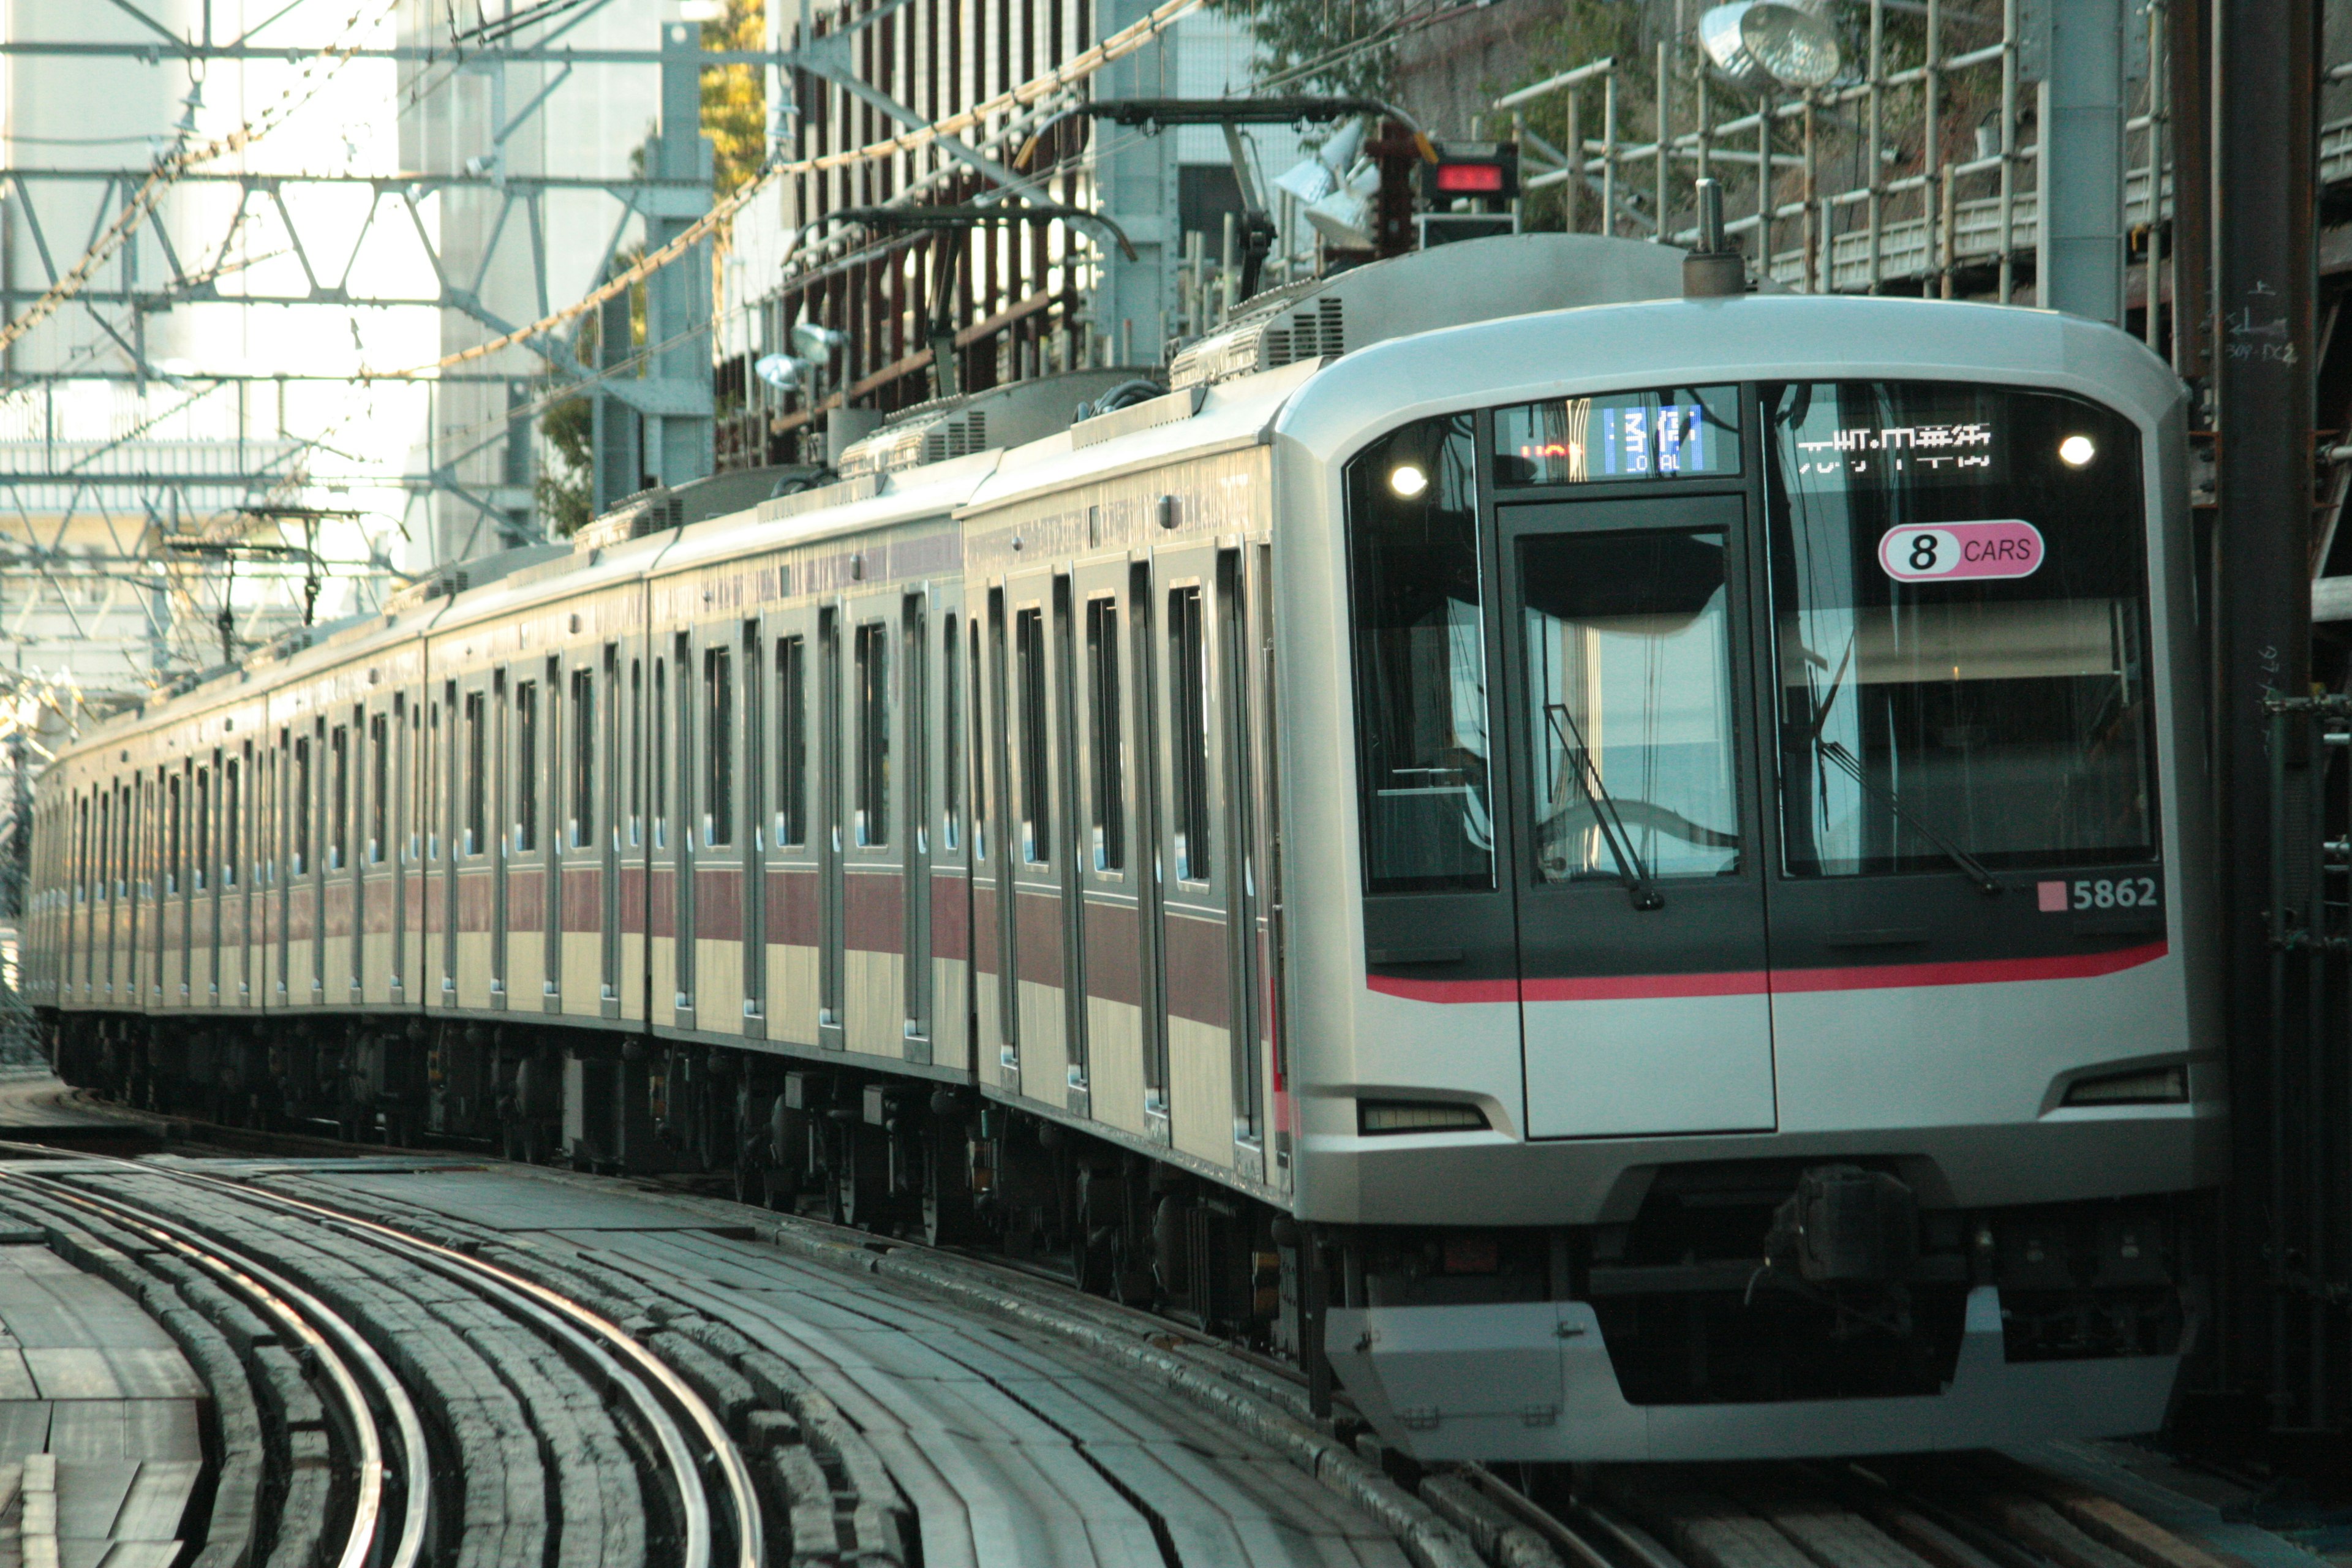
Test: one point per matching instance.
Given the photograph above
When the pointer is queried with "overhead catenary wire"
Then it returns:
(1075, 70)
(308, 84)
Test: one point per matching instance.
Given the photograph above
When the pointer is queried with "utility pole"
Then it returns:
(2263, 375)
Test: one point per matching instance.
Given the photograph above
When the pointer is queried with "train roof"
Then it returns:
(1426, 333)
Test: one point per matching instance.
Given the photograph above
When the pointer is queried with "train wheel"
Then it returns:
(864, 1180)
(948, 1217)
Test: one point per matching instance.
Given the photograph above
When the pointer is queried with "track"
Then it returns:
(721, 1425)
(477, 1416)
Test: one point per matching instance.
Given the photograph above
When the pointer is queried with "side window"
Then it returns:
(1106, 741)
(1187, 697)
(232, 820)
(661, 753)
(719, 746)
(478, 773)
(636, 763)
(204, 828)
(873, 676)
(526, 730)
(1029, 673)
(339, 820)
(302, 812)
(379, 787)
(791, 741)
(980, 753)
(584, 758)
(951, 740)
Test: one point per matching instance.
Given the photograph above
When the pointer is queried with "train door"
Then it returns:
(873, 890)
(1640, 899)
(633, 828)
(1145, 686)
(1037, 841)
(789, 894)
(615, 768)
(995, 841)
(950, 847)
(716, 907)
(831, 826)
(1236, 761)
(500, 788)
(917, 734)
(751, 835)
(551, 774)
(406, 727)
(1106, 870)
(685, 857)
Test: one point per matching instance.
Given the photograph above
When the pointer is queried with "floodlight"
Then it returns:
(1763, 44)
(782, 372)
(816, 342)
(1317, 176)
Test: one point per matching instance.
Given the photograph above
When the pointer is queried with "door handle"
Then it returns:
(1882, 936)
(1397, 957)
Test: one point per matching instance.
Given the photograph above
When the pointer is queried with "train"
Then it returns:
(1625, 873)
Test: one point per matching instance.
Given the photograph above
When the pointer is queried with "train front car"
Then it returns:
(1751, 988)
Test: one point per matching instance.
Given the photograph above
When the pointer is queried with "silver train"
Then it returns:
(1624, 872)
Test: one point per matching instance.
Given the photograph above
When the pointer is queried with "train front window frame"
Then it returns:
(1962, 629)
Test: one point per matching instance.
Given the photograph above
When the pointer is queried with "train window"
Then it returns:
(871, 669)
(915, 702)
(719, 746)
(791, 741)
(1029, 659)
(232, 819)
(1106, 741)
(1960, 593)
(1417, 603)
(584, 758)
(339, 820)
(432, 791)
(526, 731)
(1674, 432)
(81, 848)
(301, 861)
(1629, 702)
(636, 750)
(477, 772)
(379, 787)
(1188, 697)
(980, 753)
(172, 824)
(201, 859)
(661, 753)
(950, 741)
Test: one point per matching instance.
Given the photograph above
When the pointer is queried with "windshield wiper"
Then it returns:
(1630, 869)
(1975, 869)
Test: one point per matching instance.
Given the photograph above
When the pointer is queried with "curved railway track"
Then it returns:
(683, 1412)
(380, 1339)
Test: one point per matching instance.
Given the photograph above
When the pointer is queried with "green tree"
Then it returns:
(735, 99)
(563, 488)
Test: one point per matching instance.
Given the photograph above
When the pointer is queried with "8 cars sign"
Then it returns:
(2010, 547)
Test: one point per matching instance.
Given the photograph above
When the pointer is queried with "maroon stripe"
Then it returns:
(792, 909)
(874, 911)
(1037, 922)
(475, 900)
(1114, 964)
(1199, 972)
(661, 902)
(376, 897)
(985, 959)
(718, 903)
(584, 899)
(526, 899)
(950, 918)
(632, 900)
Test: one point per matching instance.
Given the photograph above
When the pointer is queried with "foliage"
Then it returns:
(1322, 45)
(564, 497)
(735, 99)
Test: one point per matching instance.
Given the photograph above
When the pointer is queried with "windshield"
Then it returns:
(1960, 599)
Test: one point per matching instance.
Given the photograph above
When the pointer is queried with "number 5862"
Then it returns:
(2116, 893)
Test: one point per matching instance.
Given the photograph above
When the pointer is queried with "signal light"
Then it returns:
(1469, 179)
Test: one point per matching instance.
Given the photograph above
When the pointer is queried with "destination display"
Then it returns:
(1668, 434)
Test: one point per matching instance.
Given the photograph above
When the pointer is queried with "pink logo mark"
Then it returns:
(2051, 897)
(2010, 547)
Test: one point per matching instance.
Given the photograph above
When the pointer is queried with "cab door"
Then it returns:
(1643, 1002)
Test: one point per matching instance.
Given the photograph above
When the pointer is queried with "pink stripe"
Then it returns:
(1616, 987)
(1444, 990)
(1787, 981)
(1979, 972)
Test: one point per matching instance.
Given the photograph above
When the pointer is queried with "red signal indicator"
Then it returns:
(1469, 179)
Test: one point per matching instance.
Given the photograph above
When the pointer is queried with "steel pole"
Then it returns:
(2263, 590)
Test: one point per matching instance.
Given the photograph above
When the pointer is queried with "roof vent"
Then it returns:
(952, 427)
(1451, 285)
